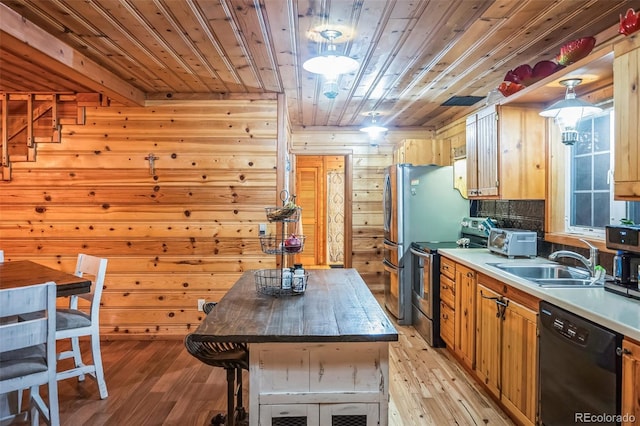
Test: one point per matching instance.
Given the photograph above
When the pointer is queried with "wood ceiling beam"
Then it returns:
(37, 46)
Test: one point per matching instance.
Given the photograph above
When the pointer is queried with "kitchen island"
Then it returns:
(320, 354)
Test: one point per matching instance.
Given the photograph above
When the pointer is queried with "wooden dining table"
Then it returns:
(22, 273)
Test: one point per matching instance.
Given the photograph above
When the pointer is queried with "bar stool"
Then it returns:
(233, 357)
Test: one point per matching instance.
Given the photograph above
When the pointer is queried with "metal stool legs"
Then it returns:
(233, 357)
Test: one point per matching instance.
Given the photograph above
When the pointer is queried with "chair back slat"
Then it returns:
(17, 301)
(34, 299)
(23, 334)
(95, 269)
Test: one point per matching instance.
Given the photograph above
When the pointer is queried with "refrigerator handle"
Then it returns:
(390, 246)
(390, 267)
(386, 208)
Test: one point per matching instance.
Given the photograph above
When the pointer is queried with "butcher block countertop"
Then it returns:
(337, 306)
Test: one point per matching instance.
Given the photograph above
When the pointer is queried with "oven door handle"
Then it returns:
(418, 253)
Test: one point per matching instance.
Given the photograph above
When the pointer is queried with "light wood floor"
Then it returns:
(160, 383)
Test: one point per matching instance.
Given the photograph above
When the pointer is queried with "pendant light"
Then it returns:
(331, 64)
(373, 129)
(568, 112)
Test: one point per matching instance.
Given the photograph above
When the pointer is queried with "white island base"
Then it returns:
(311, 383)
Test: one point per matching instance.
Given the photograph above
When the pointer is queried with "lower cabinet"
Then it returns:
(465, 315)
(328, 383)
(447, 301)
(630, 382)
(507, 348)
(319, 414)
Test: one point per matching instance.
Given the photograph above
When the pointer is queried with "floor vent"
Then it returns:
(462, 100)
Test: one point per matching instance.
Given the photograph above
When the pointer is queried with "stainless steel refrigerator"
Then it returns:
(419, 204)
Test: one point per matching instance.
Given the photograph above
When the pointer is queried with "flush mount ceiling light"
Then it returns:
(373, 129)
(568, 112)
(331, 64)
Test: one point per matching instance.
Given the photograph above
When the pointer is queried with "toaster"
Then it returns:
(513, 242)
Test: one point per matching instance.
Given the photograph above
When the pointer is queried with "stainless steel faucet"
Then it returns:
(590, 263)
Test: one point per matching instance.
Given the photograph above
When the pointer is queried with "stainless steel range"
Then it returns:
(425, 276)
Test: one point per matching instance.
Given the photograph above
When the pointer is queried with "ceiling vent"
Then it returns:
(462, 100)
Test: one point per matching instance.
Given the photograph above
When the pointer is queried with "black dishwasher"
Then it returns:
(580, 370)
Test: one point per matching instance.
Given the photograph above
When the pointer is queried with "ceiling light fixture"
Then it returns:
(331, 64)
(568, 112)
(373, 129)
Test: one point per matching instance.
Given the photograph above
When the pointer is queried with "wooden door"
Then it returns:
(311, 196)
(519, 375)
(488, 339)
(630, 381)
(465, 314)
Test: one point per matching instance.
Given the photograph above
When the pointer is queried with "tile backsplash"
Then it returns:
(529, 215)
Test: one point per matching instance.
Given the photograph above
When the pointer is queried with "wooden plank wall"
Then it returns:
(184, 232)
(370, 158)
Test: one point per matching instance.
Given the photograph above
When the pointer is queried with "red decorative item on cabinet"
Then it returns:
(509, 88)
(575, 50)
(519, 74)
(630, 23)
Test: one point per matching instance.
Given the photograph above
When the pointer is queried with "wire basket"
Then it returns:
(275, 244)
(283, 214)
(276, 282)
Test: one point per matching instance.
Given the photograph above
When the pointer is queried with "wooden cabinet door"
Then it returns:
(488, 339)
(630, 381)
(506, 153)
(522, 159)
(472, 156)
(519, 375)
(465, 314)
(447, 324)
(423, 152)
(487, 152)
(626, 93)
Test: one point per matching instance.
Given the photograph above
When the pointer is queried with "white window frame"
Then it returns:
(617, 208)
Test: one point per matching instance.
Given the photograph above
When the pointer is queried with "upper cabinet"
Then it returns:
(506, 153)
(423, 152)
(626, 78)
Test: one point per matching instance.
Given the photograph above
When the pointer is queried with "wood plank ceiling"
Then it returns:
(413, 54)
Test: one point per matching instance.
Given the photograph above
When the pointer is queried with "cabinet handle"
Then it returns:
(445, 316)
(501, 304)
(487, 297)
(445, 287)
(469, 274)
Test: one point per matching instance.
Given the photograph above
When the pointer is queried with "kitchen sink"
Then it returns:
(549, 274)
(566, 282)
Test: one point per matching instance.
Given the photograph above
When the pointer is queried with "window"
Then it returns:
(589, 199)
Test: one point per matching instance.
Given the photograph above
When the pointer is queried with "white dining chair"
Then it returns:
(74, 322)
(1, 256)
(28, 349)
